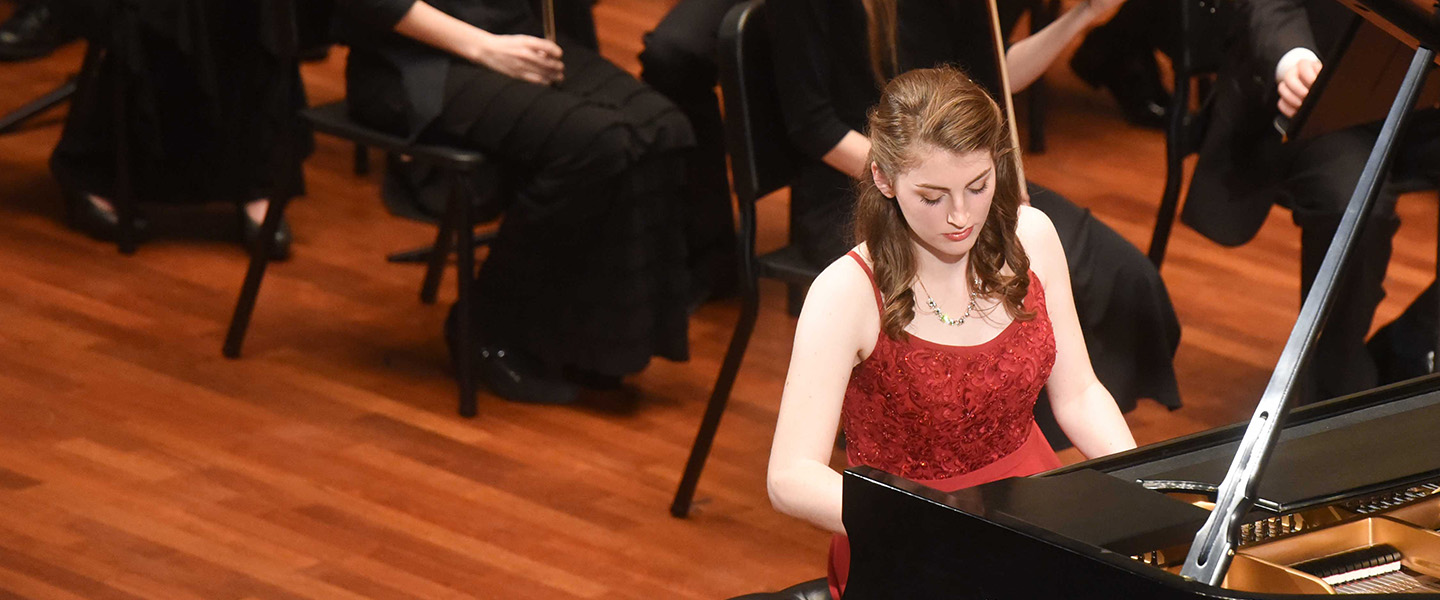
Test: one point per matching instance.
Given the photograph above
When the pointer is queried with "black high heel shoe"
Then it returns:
(83, 215)
(250, 233)
(510, 374)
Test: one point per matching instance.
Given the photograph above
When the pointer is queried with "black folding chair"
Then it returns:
(458, 223)
(1203, 25)
(762, 161)
(12, 120)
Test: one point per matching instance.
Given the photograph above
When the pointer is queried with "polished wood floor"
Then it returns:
(328, 462)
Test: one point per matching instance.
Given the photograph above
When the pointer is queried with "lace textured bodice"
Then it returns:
(929, 411)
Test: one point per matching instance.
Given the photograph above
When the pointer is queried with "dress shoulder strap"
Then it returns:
(879, 302)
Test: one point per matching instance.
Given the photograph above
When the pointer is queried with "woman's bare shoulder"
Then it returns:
(1041, 242)
(846, 276)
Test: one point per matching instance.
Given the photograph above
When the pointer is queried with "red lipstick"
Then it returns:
(960, 235)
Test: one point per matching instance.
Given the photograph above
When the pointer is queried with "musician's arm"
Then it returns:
(801, 72)
(839, 312)
(1083, 407)
(1275, 28)
(1028, 59)
(1284, 48)
(520, 56)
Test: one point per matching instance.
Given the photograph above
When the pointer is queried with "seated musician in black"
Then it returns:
(209, 112)
(1244, 169)
(828, 82)
(679, 61)
(586, 280)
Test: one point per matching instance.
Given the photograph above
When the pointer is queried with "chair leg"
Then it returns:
(1176, 144)
(259, 259)
(362, 159)
(729, 369)
(465, 281)
(439, 252)
(35, 107)
(124, 193)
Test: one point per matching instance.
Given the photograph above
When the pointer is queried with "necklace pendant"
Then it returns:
(947, 319)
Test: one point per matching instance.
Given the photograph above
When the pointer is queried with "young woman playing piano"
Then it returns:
(827, 80)
(930, 340)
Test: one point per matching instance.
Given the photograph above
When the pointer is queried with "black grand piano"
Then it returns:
(1346, 474)
(1341, 497)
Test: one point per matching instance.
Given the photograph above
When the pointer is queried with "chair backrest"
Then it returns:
(762, 159)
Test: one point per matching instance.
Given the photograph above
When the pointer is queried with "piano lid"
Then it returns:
(1108, 513)
(1410, 21)
(1367, 450)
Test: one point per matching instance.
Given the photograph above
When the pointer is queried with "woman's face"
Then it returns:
(945, 198)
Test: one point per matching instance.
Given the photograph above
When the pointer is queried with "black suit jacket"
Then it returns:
(1242, 160)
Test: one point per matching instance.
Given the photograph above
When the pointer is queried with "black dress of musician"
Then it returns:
(587, 276)
(209, 109)
(826, 86)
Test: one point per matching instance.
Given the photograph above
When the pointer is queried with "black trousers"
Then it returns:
(1320, 177)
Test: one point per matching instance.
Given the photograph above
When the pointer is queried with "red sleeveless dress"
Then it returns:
(949, 417)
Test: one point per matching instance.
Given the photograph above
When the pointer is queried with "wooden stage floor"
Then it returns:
(328, 462)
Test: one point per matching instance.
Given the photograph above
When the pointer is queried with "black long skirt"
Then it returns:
(1129, 324)
(209, 107)
(588, 271)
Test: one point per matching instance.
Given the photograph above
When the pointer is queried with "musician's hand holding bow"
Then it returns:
(524, 57)
(1295, 84)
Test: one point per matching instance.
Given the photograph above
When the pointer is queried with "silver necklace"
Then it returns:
(940, 314)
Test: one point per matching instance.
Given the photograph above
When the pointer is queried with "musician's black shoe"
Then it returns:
(99, 222)
(32, 31)
(1132, 79)
(510, 373)
(1405, 348)
(250, 234)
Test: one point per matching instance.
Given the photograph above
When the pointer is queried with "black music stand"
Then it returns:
(1413, 22)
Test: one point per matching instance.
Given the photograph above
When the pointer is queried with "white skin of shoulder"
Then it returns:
(944, 198)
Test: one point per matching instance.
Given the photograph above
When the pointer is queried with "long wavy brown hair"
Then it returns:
(943, 109)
